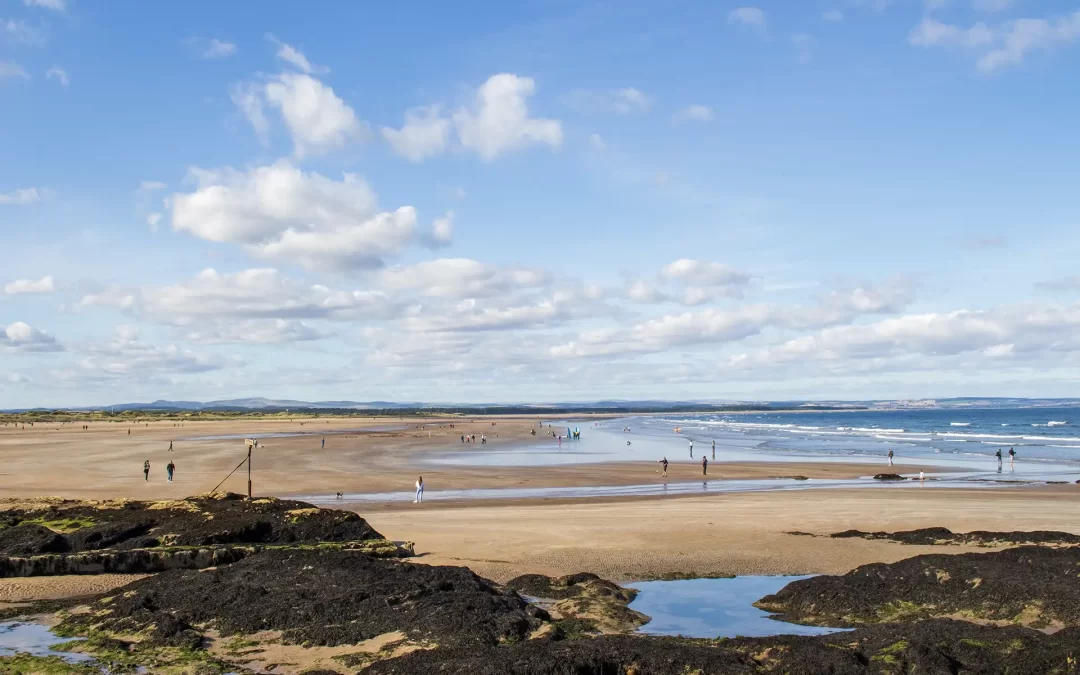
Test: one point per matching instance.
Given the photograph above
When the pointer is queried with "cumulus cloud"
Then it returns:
(23, 196)
(294, 57)
(212, 48)
(748, 16)
(21, 337)
(281, 212)
(260, 332)
(126, 357)
(460, 278)
(694, 113)
(30, 286)
(498, 119)
(59, 74)
(317, 119)
(426, 133)
(54, 5)
(701, 273)
(623, 101)
(9, 70)
(1001, 46)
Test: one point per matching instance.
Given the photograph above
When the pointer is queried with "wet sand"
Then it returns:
(361, 455)
(718, 535)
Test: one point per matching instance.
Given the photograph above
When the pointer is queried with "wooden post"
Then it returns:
(249, 472)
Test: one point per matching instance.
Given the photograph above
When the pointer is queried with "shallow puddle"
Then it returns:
(711, 608)
(36, 640)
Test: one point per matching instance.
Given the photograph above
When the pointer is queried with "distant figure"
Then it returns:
(691, 448)
(921, 477)
(890, 457)
(1012, 459)
(146, 470)
(999, 459)
(704, 466)
(628, 442)
(169, 469)
(664, 462)
(339, 495)
(129, 430)
(462, 438)
(419, 491)
(714, 450)
(170, 446)
(324, 443)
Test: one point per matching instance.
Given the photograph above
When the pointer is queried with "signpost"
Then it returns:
(251, 443)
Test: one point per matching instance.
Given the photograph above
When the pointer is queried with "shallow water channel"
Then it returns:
(34, 639)
(711, 608)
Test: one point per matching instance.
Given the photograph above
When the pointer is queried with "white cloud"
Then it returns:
(281, 212)
(293, 56)
(21, 337)
(645, 293)
(248, 97)
(261, 332)
(18, 32)
(30, 286)
(55, 5)
(59, 74)
(10, 70)
(317, 119)
(442, 230)
(152, 219)
(596, 142)
(18, 378)
(126, 358)
(426, 133)
(150, 185)
(804, 46)
(23, 196)
(833, 15)
(212, 48)
(623, 101)
(1002, 46)
(498, 120)
(460, 278)
(694, 113)
(748, 16)
(934, 33)
(704, 273)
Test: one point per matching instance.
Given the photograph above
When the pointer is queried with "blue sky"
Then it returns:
(538, 201)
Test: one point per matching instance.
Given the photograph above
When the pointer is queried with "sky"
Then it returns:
(538, 201)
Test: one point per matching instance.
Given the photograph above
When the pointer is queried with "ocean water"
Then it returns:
(712, 608)
(958, 443)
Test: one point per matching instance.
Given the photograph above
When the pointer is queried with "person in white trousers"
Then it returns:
(419, 491)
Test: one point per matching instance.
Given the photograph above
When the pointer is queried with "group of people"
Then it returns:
(1012, 458)
(704, 466)
(170, 470)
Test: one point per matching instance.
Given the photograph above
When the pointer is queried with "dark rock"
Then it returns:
(31, 539)
(889, 476)
(1031, 585)
(197, 521)
(319, 597)
(931, 536)
(926, 648)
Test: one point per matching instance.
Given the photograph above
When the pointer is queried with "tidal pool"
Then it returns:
(711, 608)
(34, 639)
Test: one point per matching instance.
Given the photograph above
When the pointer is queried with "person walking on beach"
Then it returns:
(999, 459)
(169, 469)
(691, 448)
(664, 462)
(146, 470)
(714, 450)
(1012, 459)
(170, 446)
(890, 457)
(324, 443)
(704, 466)
(419, 491)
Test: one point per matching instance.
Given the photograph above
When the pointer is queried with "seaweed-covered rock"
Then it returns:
(1031, 585)
(196, 521)
(582, 603)
(318, 597)
(941, 536)
(928, 647)
(31, 539)
(889, 476)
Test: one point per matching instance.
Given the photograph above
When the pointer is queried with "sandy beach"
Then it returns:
(619, 538)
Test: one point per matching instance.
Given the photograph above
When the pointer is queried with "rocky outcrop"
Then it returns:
(582, 604)
(940, 536)
(1030, 585)
(316, 597)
